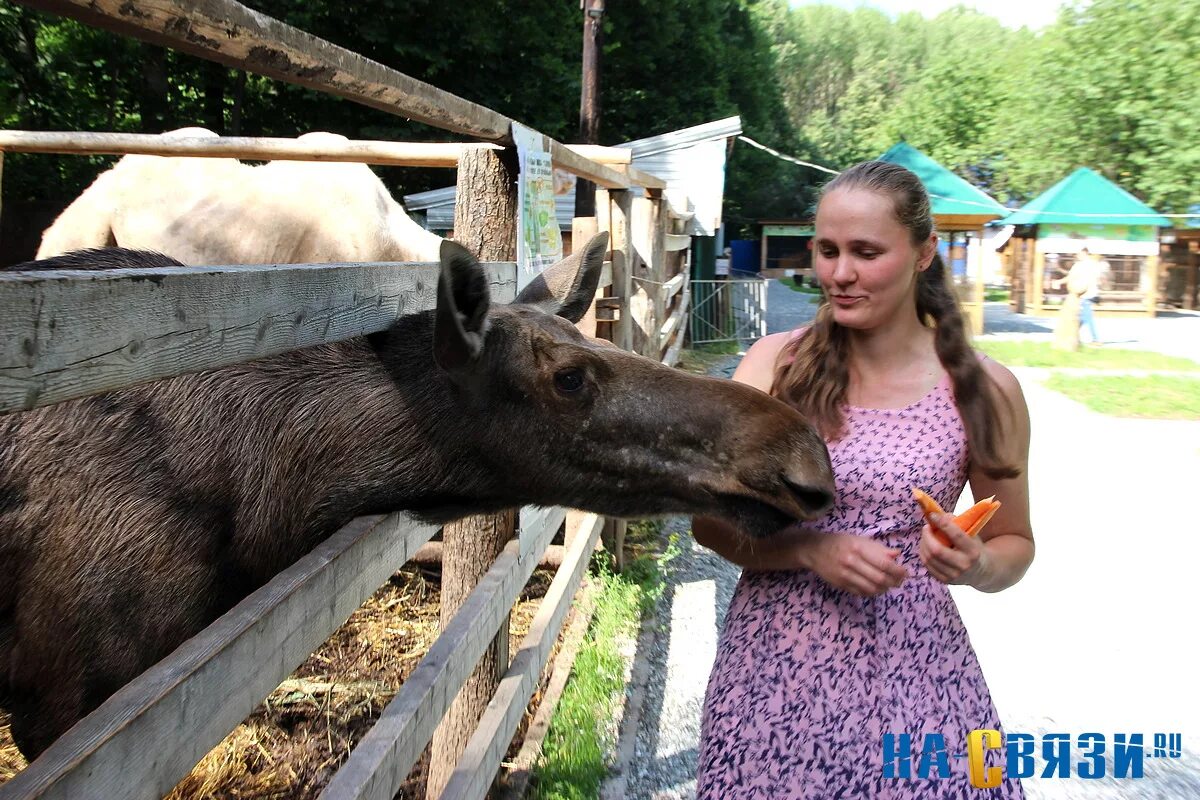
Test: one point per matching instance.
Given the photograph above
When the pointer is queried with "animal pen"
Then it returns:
(66, 335)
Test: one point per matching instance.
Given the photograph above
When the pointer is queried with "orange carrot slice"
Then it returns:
(970, 521)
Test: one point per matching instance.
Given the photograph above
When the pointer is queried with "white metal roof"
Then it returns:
(691, 161)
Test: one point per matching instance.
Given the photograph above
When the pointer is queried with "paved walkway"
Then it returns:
(1099, 635)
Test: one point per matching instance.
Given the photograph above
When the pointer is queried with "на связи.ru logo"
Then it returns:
(1020, 755)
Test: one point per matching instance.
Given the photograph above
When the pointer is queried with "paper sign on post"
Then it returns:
(539, 241)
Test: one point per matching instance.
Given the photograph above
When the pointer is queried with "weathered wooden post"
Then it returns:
(658, 272)
(485, 217)
(614, 210)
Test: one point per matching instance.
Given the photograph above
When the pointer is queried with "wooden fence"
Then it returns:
(70, 334)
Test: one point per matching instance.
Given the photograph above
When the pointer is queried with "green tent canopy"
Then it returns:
(1085, 197)
(950, 194)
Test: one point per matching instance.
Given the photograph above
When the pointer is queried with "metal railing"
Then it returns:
(729, 310)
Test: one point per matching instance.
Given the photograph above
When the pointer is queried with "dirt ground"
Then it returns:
(297, 738)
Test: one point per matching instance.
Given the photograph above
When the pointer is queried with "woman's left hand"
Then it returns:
(964, 561)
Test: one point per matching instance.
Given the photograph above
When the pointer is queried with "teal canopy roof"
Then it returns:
(1087, 197)
(948, 193)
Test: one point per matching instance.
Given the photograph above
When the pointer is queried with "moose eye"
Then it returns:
(569, 381)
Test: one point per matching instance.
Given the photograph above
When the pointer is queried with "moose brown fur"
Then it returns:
(130, 520)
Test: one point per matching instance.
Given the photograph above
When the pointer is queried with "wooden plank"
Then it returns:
(673, 286)
(385, 756)
(532, 520)
(614, 211)
(676, 241)
(234, 35)
(672, 356)
(641, 178)
(480, 761)
(66, 334)
(603, 155)
(599, 174)
(403, 154)
(150, 734)
(669, 327)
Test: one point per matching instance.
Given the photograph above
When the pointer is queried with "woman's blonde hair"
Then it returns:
(813, 370)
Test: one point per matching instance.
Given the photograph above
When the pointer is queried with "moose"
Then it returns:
(221, 211)
(131, 520)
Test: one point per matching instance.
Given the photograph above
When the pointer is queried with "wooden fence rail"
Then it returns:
(395, 154)
(66, 334)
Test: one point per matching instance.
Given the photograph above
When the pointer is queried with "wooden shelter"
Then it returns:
(1085, 209)
(1180, 249)
(960, 212)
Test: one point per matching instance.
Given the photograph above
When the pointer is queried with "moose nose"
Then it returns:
(815, 500)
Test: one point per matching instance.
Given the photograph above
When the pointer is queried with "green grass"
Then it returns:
(1153, 397)
(582, 731)
(996, 295)
(1043, 354)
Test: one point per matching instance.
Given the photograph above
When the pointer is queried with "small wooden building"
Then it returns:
(1084, 209)
(786, 248)
(1180, 252)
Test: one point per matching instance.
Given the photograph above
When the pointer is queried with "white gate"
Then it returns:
(729, 310)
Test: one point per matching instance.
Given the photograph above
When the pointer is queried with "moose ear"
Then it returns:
(568, 288)
(462, 306)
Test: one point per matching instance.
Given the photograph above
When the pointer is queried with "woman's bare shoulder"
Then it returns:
(757, 367)
(1001, 374)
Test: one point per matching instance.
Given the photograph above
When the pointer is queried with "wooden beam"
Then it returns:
(603, 155)
(481, 759)
(148, 736)
(672, 356)
(236, 36)
(67, 334)
(566, 158)
(674, 242)
(404, 154)
(673, 286)
(385, 756)
(614, 211)
(644, 179)
(430, 555)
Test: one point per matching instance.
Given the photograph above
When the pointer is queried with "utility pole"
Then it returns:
(589, 97)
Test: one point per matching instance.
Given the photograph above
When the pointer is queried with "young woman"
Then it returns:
(843, 630)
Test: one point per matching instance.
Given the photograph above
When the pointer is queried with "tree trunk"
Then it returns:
(154, 104)
(239, 100)
(215, 77)
(485, 223)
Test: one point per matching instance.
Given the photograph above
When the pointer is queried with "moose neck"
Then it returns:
(381, 430)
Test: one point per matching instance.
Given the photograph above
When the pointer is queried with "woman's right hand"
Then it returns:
(854, 564)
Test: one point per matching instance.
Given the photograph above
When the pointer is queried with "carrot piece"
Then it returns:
(983, 520)
(970, 521)
(974, 513)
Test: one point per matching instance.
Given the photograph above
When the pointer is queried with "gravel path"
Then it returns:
(1095, 638)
